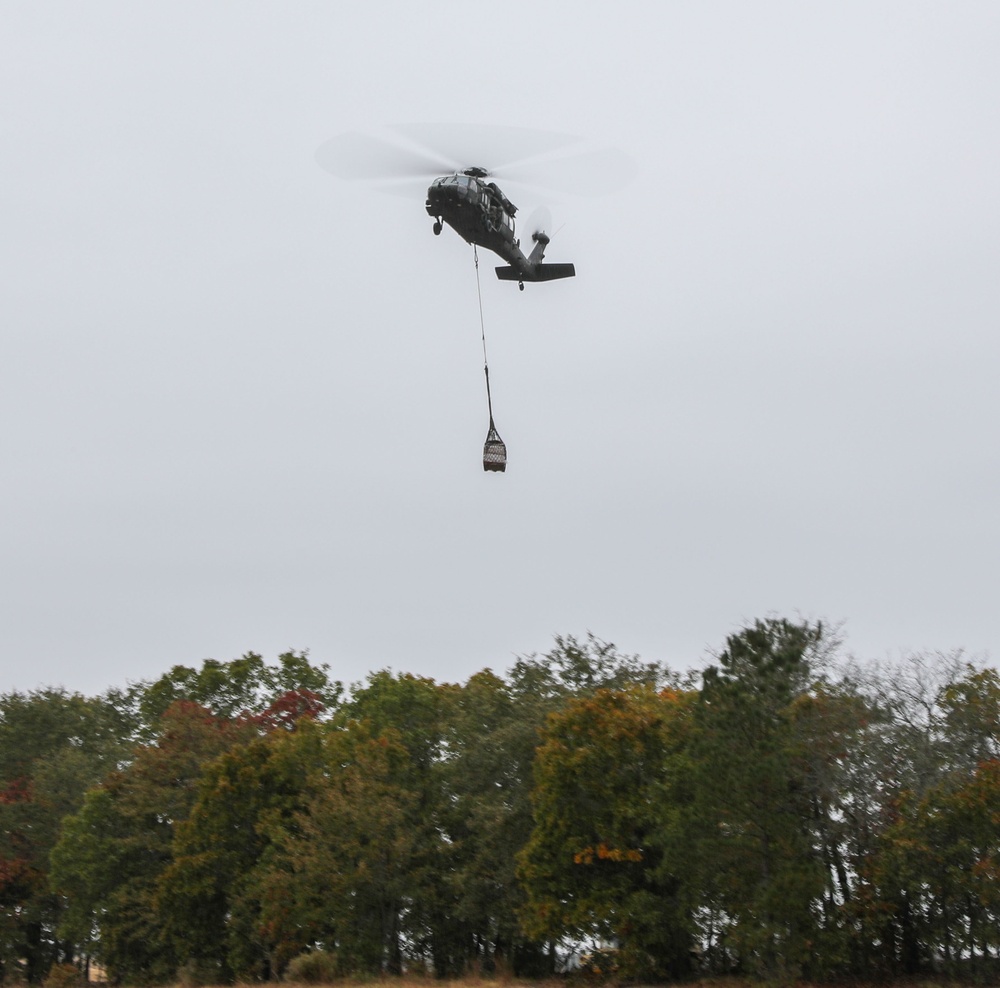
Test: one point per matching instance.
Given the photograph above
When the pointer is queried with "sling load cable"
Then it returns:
(494, 450)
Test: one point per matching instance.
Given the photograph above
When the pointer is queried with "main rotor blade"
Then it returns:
(490, 146)
(583, 173)
(536, 160)
(354, 156)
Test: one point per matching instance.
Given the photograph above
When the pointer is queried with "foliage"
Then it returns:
(783, 815)
(244, 686)
(594, 868)
(112, 853)
(53, 745)
(114, 850)
(491, 741)
(757, 873)
(206, 896)
(314, 967)
(345, 869)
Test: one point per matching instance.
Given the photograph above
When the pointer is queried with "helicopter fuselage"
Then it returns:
(482, 215)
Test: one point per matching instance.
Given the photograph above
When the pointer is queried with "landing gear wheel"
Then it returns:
(520, 285)
(437, 228)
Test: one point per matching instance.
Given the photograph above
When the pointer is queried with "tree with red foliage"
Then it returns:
(111, 854)
(53, 746)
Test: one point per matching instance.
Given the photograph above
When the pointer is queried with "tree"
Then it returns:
(935, 862)
(942, 854)
(575, 668)
(928, 725)
(207, 895)
(753, 851)
(53, 745)
(487, 776)
(415, 712)
(111, 854)
(594, 868)
(341, 872)
(243, 686)
(970, 704)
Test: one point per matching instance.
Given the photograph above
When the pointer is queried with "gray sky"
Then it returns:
(242, 402)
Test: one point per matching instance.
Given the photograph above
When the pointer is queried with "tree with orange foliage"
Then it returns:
(595, 868)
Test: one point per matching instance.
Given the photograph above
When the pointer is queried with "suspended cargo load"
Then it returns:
(494, 451)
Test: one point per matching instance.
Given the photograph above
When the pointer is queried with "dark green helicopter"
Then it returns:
(482, 215)
(463, 195)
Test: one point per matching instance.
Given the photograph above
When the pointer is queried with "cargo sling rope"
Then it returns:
(494, 450)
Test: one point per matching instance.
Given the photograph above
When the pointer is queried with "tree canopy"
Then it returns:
(782, 814)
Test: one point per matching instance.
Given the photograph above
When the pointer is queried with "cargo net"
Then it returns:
(494, 451)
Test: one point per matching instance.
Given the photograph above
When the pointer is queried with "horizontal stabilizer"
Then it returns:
(541, 272)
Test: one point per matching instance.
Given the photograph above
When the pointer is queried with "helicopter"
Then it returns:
(482, 215)
(464, 196)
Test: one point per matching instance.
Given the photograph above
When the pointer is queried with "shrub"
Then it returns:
(316, 967)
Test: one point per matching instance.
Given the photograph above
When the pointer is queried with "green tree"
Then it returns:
(111, 854)
(753, 853)
(931, 874)
(595, 868)
(575, 668)
(487, 777)
(243, 686)
(342, 872)
(53, 745)
(416, 712)
(929, 724)
(970, 705)
(207, 895)
(941, 854)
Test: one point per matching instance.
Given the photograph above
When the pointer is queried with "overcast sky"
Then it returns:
(242, 404)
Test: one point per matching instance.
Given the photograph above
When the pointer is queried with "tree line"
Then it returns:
(781, 813)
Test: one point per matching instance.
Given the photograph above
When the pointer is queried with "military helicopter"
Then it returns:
(481, 214)
(465, 198)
